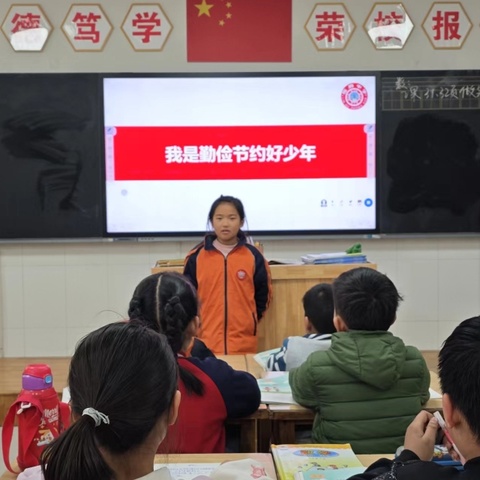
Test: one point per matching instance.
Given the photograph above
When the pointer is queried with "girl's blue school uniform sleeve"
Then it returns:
(239, 389)
(190, 268)
(262, 283)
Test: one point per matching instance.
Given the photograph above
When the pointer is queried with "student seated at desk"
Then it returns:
(459, 367)
(318, 308)
(123, 387)
(212, 391)
(368, 386)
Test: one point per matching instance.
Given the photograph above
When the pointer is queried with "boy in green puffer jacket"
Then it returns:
(368, 387)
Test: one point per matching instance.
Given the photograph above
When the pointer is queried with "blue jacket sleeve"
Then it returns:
(276, 361)
(190, 267)
(262, 283)
(239, 390)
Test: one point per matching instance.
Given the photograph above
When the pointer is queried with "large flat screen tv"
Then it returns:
(297, 149)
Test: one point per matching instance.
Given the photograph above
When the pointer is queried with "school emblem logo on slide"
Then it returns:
(241, 274)
(354, 96)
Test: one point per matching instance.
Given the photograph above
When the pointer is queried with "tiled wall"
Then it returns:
(53, 294)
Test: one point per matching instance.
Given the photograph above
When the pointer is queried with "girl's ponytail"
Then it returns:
(123, 379)
(75, 455)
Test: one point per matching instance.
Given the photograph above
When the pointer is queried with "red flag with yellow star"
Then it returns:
(239, 30)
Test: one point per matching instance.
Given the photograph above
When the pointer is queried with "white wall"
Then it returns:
(52, 294)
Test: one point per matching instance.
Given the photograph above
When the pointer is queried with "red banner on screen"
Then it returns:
(234, 153)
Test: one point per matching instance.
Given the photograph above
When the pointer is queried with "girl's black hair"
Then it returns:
(167, 302)
(125, 371)
(236, 202)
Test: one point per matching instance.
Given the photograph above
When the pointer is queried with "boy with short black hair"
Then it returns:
(318, 308)
(459, 371)
(368, 386)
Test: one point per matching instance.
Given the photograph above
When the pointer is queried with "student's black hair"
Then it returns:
(365, 299)
(237, 203)
(459, 371)
(318, 307)
(167, 302)
(125, 371)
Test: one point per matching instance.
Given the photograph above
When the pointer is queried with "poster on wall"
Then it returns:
(147, 27)
(26, 28)
(330, 26)
(388, 26)
(87, 28)
(447, 25)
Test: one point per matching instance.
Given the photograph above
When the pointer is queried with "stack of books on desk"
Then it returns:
(308, 462)
(337, 257)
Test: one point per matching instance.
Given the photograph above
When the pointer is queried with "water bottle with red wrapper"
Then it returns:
(40, 415)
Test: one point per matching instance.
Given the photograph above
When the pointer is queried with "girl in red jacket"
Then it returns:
(211, 390)
(233, 281)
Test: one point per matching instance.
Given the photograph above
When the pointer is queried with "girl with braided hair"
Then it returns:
(211, 390)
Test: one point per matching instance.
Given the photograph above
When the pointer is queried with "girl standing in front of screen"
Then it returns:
(233, 281)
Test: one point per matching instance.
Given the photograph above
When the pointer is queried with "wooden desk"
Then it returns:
(237, 362)
(284, 417)
(253, 366)
(290, 282)
(265, 458)
(255, 430)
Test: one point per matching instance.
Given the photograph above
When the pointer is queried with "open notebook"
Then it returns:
(274, 388)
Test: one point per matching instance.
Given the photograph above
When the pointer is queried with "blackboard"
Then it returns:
(52, 159)
(50, 156)
(429, 155)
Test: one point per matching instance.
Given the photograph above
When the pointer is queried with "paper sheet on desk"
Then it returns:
(66, 395)
(434, 394)
(188, 471)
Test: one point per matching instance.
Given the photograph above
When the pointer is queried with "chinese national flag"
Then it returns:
(239, 30)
